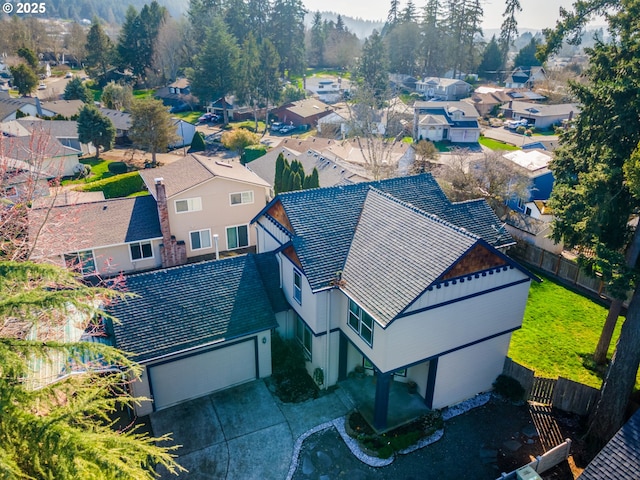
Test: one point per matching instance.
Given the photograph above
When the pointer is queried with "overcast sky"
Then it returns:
(536, 14)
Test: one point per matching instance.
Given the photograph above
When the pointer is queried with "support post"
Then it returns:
(381, 407)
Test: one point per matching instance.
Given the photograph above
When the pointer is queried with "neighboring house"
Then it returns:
(305, 112)
(401, 81)
(328, 89)
(65, 108)
(65, 131)
(525, 77)
(540, 116)
(620, 457)
(453, 121)
(218, 107)
(392, 276)
(531, 229)
(535, 165)
(38, 150)
(121, 122)
(487, 99)
(336, 124)
(209, 203)
(9, 107)
(199, 328)
(331, 170)
(177, 95)
(443, 89)
(99, 238)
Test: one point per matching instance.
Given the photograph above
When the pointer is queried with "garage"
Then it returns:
(193, 376)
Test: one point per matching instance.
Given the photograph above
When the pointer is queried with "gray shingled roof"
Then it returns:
(324, 219)
(620, 458)
(71, 228)
(423, 247)
(191, 306)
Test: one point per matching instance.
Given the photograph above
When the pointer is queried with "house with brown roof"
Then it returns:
(302, 112)
(209, 203)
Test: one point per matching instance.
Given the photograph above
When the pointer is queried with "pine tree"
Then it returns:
(509, 28)
(526, 57)
(95, 128)
(99, 50)
(64, 430)
(287, 181)
(296, 182)
(152, 128)
(318, 38)
(198, 144)
(278, 180)
(287, 35)
(77, 90)
(430, 46)
(24, 78)
(373, 67)
(491, 60)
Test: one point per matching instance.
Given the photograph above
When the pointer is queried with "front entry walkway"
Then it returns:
(403, 406)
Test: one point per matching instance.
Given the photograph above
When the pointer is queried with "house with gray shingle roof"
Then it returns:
(538, 115)
(200, 327)
(451, 121)
(393, 276)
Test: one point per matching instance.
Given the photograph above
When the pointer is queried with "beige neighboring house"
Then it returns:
(99, 238)
(210, 203)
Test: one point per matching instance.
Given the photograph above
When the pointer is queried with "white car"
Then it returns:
(42, 86)
(68, 75)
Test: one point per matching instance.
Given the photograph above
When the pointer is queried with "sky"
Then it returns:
(536, 14)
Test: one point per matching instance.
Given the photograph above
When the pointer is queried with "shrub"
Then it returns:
(252, 152)
(117, 186)
(509, 388)
(292, 382)
(118, 168)
(520, 130)
(198, 144)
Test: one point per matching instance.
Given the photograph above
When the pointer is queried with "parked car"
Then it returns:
(68, 75)
(276, 126)
(514, 124)
(209, 118)
(42, 86)
(287, 129)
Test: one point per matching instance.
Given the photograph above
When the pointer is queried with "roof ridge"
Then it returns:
(103, 200)
(429, 215)
(188, 265)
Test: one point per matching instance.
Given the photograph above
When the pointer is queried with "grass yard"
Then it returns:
(146, 93)
(99, 171)
(190, 116)
(492, 144)
(559, 334)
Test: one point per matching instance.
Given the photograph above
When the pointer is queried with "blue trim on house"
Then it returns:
(278, 225)
(459, 299)
(199, 352)
(381, 404)
(431, 382)
(320, 334)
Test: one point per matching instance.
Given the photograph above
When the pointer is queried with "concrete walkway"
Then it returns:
(242, 433)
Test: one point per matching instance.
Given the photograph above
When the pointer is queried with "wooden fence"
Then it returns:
(562, 393)
(544, 462)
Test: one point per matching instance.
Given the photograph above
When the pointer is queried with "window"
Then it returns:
(188, 205)
(297, 286)
(140, 250)
(200, 239)
(82, 262)
(304, 336)
(361, 322)
(237, 237)
(241, 197)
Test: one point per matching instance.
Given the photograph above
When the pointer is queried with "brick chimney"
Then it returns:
(172, 252)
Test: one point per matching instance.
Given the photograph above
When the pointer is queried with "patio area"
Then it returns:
(403, 406)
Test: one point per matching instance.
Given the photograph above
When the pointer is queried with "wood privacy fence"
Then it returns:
(561, 393)
(546, 461)
(560, 267)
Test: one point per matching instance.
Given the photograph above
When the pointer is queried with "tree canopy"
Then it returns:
(152, 128)
(95, 128)
(24, 78)
(77, 90)
(64, 429)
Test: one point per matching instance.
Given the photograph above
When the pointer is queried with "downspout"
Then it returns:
(328, 349)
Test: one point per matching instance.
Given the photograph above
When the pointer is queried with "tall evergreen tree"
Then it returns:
(277, 181)
(152, 128)
(509, 28)
(214, 73)
(318, 38)
(596, 189)
(409, 13)
(373, 67)
(269, 88)
(99, 50)
(526, 57)
(235, 16)
(296, 181)
(24, 78)
(77, 90)
(64, 430)
(259, 16)
(29, 56)
(491, 63)
(393, 16)
(287, 35)
(431, 42)
(95, 128)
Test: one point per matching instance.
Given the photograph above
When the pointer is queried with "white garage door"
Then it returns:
(192, 377)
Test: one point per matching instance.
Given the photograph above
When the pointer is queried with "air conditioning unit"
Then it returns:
(527, 473)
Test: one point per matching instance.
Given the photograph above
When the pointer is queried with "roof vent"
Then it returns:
(222, 164)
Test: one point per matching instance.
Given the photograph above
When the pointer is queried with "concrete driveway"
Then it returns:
(241, 433)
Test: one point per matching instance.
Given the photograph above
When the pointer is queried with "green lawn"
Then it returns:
(146, 93)
(191, 117)
(496, 144)
(99, 171)
(559, 334)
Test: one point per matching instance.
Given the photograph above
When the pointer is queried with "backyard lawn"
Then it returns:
(559, 333)
(492, 144)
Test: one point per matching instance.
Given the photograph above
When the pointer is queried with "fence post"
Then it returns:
(557, 269)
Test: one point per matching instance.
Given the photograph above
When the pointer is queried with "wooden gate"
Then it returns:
(542, 390)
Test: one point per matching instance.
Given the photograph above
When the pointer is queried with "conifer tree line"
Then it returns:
(291, 176)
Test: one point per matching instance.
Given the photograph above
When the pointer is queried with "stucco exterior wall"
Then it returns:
(463, 374)
(216, 214)
(117, 258)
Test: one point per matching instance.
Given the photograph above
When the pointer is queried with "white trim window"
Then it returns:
(200, 239)
(297, 286)
(188, 205)
(237, 237)
(82, 262)
(241, 198)
(304, 337)
(361, 322)
(140, 250)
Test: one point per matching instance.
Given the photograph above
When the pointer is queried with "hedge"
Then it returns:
(118, 168)
(117, 186)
